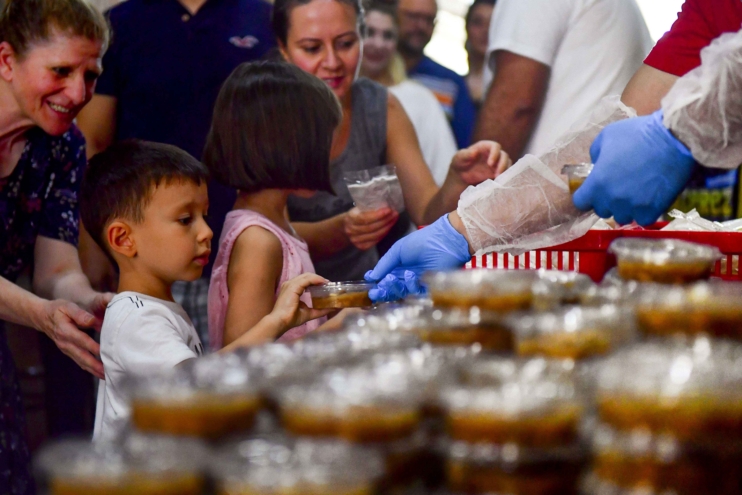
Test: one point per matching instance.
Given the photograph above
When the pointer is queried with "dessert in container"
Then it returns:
(690, 390)
(572, 333)
(576, 174)
(532, 404)
(359, 404)
(210, 397)
(340, 295)
(562, 287)
(511, 469)
(654, 463)
(490, 290)
(278, 465)
(141, 464)
(712, 308)
(666, 261)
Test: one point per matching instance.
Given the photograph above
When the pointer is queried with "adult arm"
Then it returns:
(425, 202)
(647, 87)
(60, 320)
(97, 121)
(514, 101)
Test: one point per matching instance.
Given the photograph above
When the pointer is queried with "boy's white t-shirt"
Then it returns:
(141, 335)
(593, 48)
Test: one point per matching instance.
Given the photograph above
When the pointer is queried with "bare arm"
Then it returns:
(647, 87)
(514, 102)
(254, 270)
(324, 238)
(97, 121)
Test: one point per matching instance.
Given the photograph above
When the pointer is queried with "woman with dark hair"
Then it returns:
(50, 58)
(477, 39)
(323, 37)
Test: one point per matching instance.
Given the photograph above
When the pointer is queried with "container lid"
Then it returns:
(482, 281)
(711, 296)
(339, 389)
(522, 388)
(663, 251)
(275, 464)
(572, 285)
(214, 375)
(678, 368)
(611, 324)
(138, 453)
(577, 170)
(336, 288)
(511, 455)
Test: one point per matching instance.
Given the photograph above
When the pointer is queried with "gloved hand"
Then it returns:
(392, 288)
(640, 168)
(435, 247)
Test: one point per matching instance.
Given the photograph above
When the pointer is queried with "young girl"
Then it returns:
(270, 137)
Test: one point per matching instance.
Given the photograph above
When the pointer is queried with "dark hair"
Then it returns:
(272, 129)
(282, 11)
(470, 12)
(24, 22)
(119, 181)
(384, 8)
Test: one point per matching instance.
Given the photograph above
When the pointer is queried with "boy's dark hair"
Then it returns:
(25, 22)
(272, 129)
(119, 182)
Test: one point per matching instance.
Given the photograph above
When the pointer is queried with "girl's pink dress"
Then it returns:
(296, 261)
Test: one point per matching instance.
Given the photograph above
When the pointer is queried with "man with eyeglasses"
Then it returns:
(416, 24)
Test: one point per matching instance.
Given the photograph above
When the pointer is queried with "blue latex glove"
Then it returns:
(392, 288)
(435, 247)
(640, 168)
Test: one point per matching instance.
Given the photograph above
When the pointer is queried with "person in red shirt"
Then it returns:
(712, 192)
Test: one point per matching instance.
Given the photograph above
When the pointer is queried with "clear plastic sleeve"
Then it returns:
(375, 188)
(704, 108)
(529, 206)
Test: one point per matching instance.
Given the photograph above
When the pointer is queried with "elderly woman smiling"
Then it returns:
(50, 58)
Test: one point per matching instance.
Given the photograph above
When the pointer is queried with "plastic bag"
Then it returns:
(691, 221)
(375, 188)
(529, 206)
(704, 108)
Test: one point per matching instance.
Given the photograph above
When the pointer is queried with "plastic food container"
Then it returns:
(573, 333)
(639, 460)
(483, 468)
(563, 287)
(276, 465)
(341, 295)
(666, 261)
(145, 465)
(713, 308)
(209, 398)
(490, 290)
(688, 391)
(525, 403)
(356, 404)
(442, 327)
(576, 174)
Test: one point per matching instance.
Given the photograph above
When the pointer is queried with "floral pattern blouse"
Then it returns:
(40, 197)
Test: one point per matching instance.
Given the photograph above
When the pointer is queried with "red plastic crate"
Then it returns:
(589, 254)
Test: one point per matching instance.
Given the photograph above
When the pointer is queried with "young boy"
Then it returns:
(145, 204)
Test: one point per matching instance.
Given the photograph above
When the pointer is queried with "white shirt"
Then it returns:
(141, 335)
(431, 126)
(593, 48)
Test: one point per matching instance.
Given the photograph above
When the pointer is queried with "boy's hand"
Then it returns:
(289, 309)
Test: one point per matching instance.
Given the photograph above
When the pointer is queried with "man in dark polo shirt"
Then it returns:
(161, 77)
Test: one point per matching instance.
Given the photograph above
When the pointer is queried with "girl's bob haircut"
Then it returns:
(272, 129)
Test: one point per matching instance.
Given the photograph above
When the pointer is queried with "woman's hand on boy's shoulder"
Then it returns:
(289, 309)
